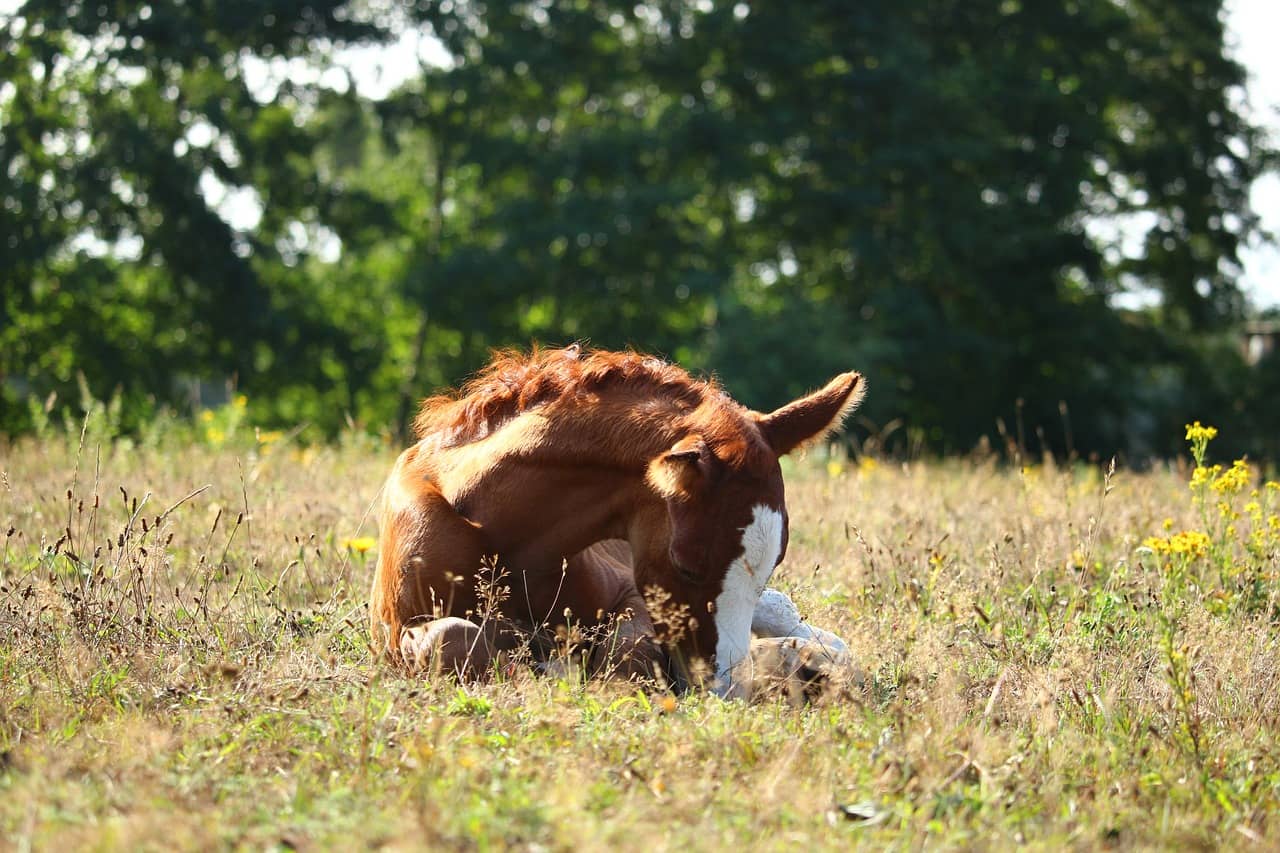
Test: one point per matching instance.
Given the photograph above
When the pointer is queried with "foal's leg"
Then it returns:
(604, 593)
(449, 645)
(428, 558)
(776, 616)
(790, 657)
(630, 649)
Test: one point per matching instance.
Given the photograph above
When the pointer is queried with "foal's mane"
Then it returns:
(515, 382)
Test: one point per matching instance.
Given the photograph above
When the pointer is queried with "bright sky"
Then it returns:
(1251, 29)
(1252, 26)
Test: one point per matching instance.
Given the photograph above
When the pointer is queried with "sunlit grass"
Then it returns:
(184, 663)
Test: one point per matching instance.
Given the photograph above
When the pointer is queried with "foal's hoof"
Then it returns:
(449, 645)
(798, 669)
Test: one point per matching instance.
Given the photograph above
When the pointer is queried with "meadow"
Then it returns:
(1049, 655)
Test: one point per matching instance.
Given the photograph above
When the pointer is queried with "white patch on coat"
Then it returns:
(776, 616)
(743, 583)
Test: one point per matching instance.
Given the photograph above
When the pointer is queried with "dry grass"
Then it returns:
(189, 670)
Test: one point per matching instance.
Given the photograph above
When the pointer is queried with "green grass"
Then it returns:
(194, 671)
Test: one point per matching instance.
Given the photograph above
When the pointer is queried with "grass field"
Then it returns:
(183, 663)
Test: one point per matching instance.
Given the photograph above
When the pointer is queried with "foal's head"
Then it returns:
(728, 515)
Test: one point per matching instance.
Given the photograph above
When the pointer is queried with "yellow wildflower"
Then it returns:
(267, 436)
(1202, 476)
(1199, 436)
(206, 416)
(1167, 524)
(214, 436)
(1190, 542)
(867, 464)
(359, 544)
(1196, 432)
(834, 467)
(1234, 480)
(1157, 544)
(240, 401)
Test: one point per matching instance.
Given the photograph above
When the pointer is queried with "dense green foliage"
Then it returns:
(768, 191)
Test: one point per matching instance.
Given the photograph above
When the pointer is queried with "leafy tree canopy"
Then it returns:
(768, 191)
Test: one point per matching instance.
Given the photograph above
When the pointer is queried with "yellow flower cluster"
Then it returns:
(1196, 432)
(268, 436)
(865, 465)
(1203, 476)
(1199, 436)
(1192, 543)
(1233, 481)
(220, 424)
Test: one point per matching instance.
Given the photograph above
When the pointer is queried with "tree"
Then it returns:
(118, 119)
(766, 191)
(932, 168)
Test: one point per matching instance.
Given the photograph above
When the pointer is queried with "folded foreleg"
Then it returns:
(789, 657)
(449, 646)
(776, 616)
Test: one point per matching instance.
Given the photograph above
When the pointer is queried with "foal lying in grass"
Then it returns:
(602, 484)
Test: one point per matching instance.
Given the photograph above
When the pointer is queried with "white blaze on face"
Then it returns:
(743, 583)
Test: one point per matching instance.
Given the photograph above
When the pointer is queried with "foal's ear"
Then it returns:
(677, 473)
(811, 418)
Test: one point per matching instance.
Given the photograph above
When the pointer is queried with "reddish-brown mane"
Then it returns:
(516, 382)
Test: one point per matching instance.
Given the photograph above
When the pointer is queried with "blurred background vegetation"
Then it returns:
(197, 202)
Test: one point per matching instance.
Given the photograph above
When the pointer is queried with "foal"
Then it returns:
(589, 478)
